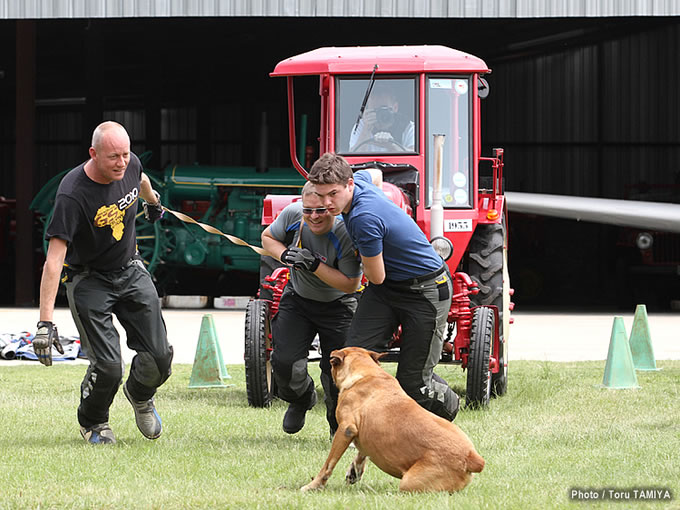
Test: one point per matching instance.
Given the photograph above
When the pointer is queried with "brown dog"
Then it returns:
(427, 452)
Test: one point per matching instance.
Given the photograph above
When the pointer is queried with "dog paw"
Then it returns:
(352, 476)
(309, 487)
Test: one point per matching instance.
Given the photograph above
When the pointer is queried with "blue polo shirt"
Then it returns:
(377, 225)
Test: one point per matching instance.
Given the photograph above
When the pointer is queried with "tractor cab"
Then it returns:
(386, 108)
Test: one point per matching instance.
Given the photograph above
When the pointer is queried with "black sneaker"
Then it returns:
(294, 419)
(98, 434)
(146, 416)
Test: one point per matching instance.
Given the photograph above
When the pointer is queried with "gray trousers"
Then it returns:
(130, 294)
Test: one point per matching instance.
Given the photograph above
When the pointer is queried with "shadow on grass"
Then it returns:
(232, 396)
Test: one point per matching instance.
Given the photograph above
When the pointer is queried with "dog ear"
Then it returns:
(337, 357)
(377, 355)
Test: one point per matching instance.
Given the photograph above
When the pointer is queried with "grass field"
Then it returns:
(554, 430)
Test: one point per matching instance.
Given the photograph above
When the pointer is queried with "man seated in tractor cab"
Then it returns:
(409, 283)
(320, 298)
(382, 127)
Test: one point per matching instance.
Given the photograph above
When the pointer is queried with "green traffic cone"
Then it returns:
(641, 341)
(208, 370)
(619, 372)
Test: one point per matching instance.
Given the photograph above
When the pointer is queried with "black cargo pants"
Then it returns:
(293, 329)
(421, 306)
(129, 293)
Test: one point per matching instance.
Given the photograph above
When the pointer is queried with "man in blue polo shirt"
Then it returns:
(409, 282)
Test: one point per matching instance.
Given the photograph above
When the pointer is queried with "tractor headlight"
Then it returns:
(442, 246)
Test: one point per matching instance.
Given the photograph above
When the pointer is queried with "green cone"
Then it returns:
(208, 370)
(641, 341)
(619, 372)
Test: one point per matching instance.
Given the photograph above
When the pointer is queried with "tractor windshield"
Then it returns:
(387, 123)
(449, 114)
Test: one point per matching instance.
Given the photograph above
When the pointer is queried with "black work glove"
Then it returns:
(300, 258)
(153, 212)
(46, 337)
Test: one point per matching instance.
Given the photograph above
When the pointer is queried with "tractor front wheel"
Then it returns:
(478, 388)
(260, 386)
(488, 266)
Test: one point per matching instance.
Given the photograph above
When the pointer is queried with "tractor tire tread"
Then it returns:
(255, 353)
(478, 378)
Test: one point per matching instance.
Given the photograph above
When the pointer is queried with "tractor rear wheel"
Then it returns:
(488, 266)
(257, 354)
(149, 242)
(478, 388)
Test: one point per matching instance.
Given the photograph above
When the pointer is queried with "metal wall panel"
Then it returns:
(37, 9)
(597, 120)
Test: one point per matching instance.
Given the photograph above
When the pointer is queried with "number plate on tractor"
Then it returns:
(457, 225)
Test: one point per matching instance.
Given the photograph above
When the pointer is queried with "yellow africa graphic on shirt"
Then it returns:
(112, 215)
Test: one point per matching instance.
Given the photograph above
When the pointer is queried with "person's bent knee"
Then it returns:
(148, 372)
(438, 399)
(292, 380)
(281, 364)
(155, 370)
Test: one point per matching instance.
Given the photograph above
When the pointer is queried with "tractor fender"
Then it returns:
(274, 204)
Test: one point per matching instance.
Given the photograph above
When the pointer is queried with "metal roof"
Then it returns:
(46, 9)
(410, 59)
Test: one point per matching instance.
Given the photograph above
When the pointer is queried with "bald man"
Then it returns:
(92, 239)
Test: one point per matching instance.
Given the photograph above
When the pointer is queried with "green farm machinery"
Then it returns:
(228, 198)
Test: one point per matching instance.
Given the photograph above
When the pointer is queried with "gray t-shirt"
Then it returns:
(335, 249)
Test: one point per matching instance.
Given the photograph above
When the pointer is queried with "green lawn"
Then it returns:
(556, 429)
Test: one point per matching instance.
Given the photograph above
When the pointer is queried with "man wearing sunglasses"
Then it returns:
(320, 298)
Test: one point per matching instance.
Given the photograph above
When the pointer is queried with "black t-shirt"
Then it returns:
(97, 220)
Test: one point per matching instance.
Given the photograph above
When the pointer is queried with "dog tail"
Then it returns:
(475, 462)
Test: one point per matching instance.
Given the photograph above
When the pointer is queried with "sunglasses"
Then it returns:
(319, 210)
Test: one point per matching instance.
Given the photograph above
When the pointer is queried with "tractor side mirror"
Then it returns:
(482, 88)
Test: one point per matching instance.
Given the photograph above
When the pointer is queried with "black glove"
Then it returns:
(300, 258)
(46, 337)
(153, 212)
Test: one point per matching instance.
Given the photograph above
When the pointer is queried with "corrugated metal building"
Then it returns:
(336, 8)
(583, 98)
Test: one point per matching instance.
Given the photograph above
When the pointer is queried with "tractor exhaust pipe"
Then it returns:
(437, 210)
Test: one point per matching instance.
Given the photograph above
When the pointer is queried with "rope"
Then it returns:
(212, 230)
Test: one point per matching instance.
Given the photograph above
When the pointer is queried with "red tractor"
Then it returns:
(432, 172)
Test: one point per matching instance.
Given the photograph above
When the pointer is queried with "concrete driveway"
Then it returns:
(546, 336)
